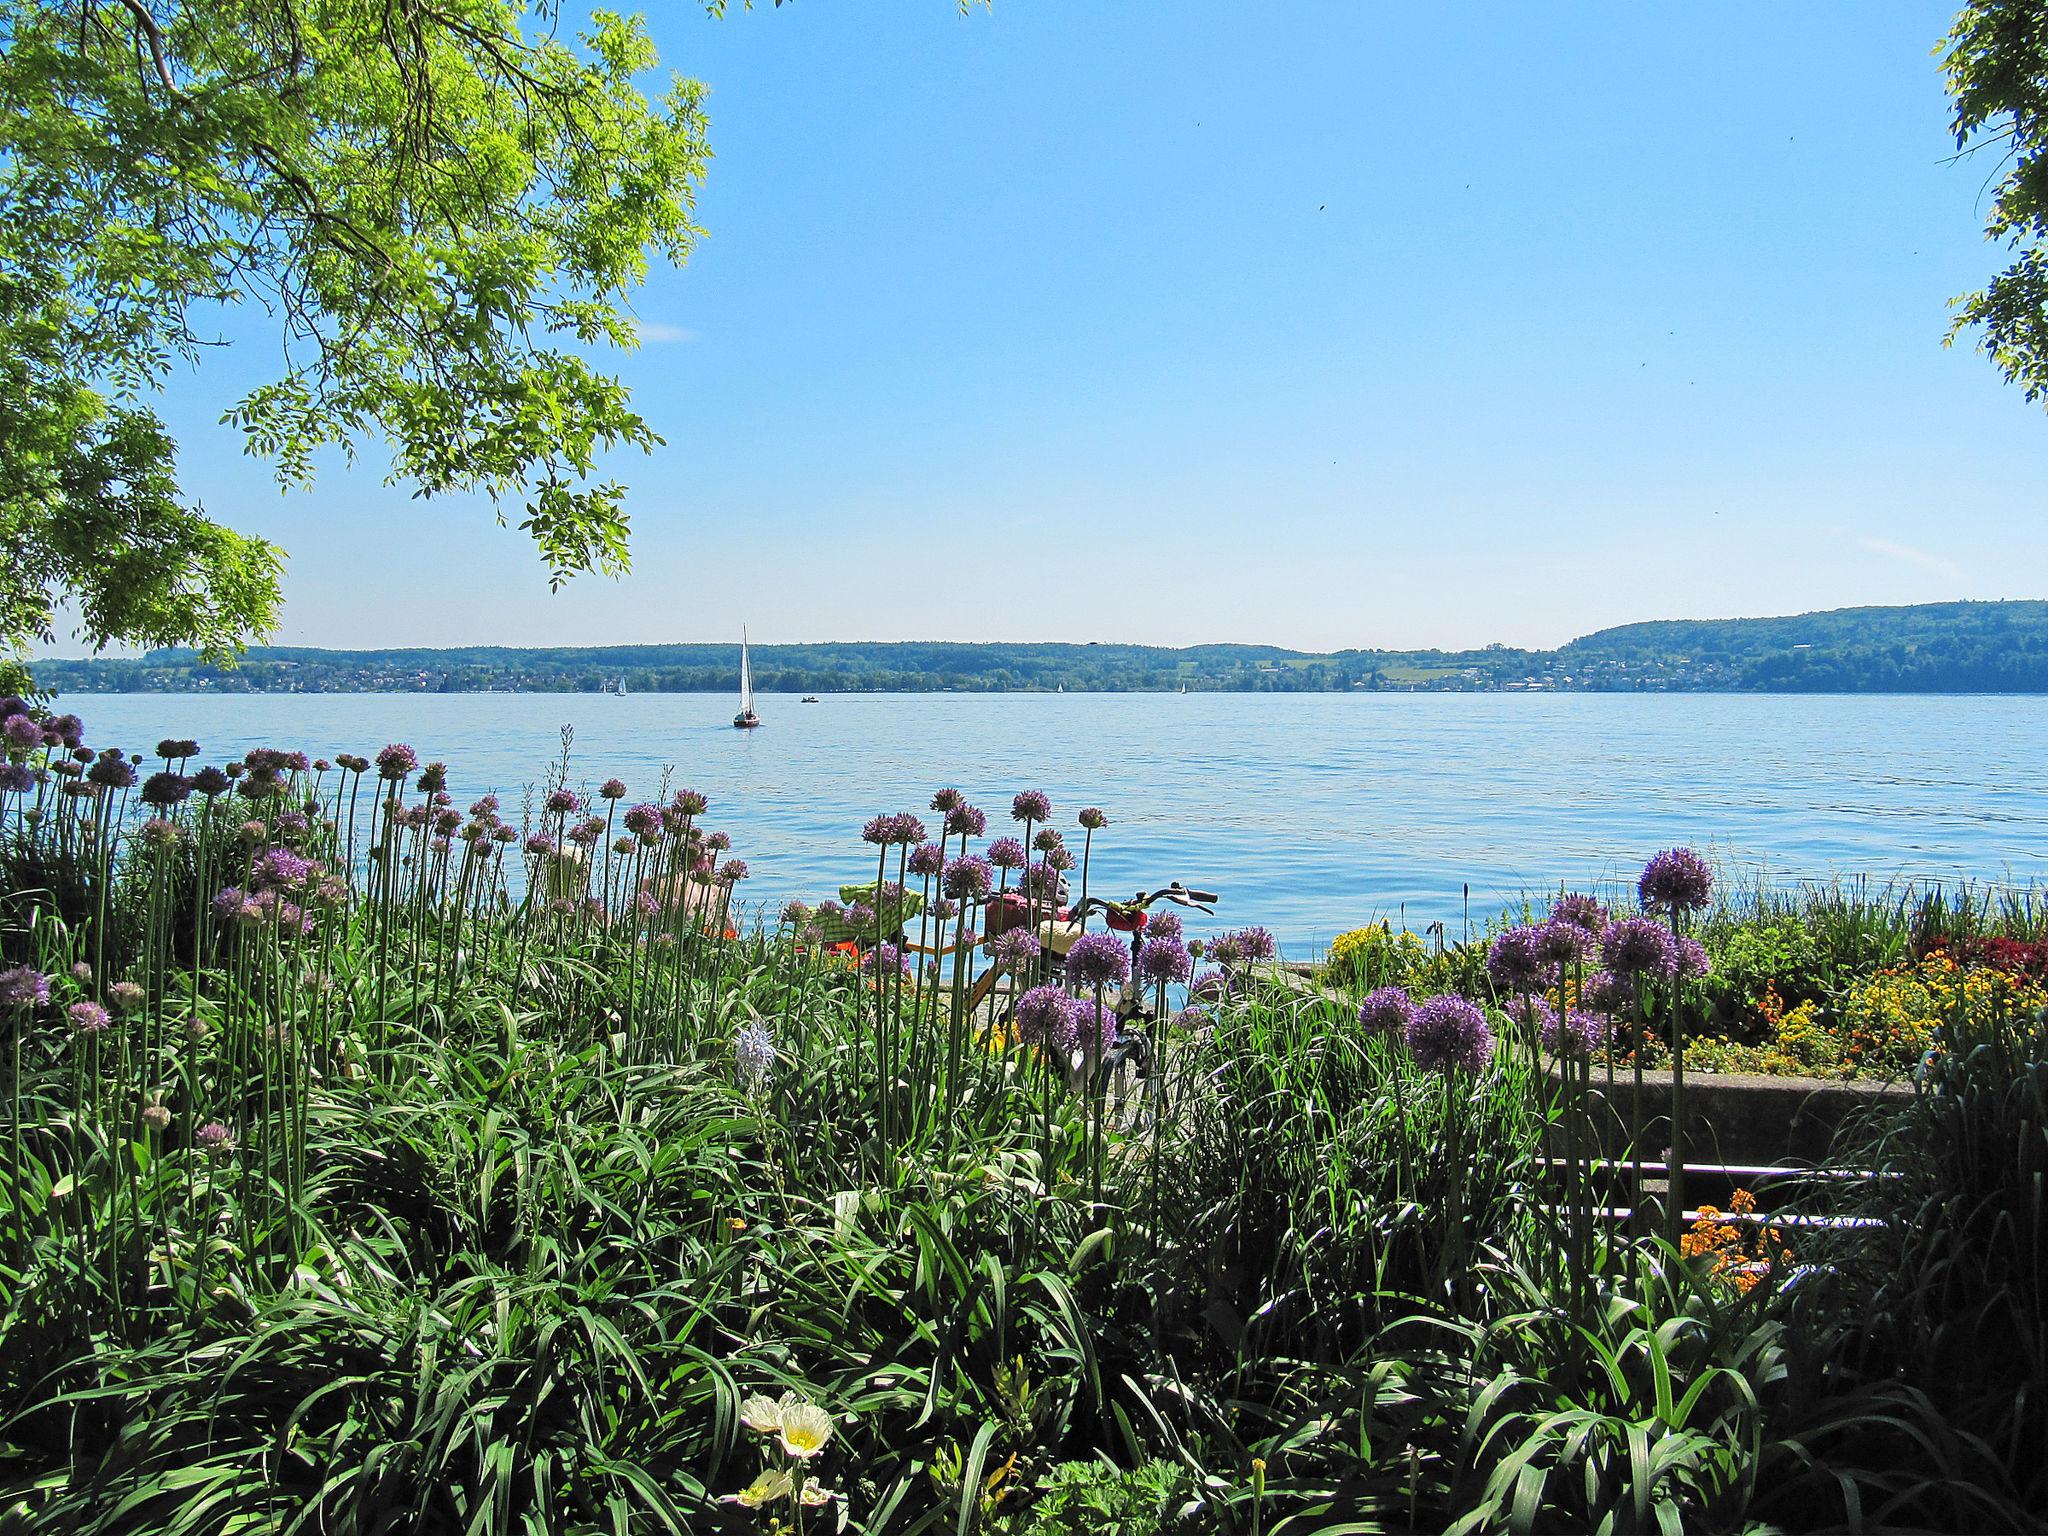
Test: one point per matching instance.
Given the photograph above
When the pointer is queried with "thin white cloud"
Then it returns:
(657, 331)
(1906, 553)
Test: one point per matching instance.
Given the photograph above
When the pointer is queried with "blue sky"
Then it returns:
(1323, 325)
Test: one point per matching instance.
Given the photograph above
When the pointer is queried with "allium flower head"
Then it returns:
(1007, 853)
(1676, 880)
(691, 802)
(1561, 944)
(948, 800)
(1693, 963)
(1224, 950)
(1515, 961)
(1579, 1034)
(1580, 911)
(396, 762)
(945, 909)
(732, 870)
(87, 1018)
(1032, 805)
(1047, 838)
(718, 842)
(540, 844)
(612, 789)
(70, 729)
(1012, 948)
(1098, 960)
(1042, 880)
(1605, 992)
(81, 972)
(1387, 1011)
(16, 778)
(214, 1139)
(795, 913)
(23, 986)
(909, 829)
(354, 762)
(126, 996)
(210, 781)
(22, 733)
(885, 959)
(927, 859)
(1093, 1025)
(1164, 960)
(1449, 1033)
(156, 1117)
(1092, 819)
(966, 821)
(1059, 859)
(563, 801)
(969, 878)
(1210, 986)
(114, 772)
(1042, 1016)
(1639, 946)
(644, 820)
(158, 834)
(1163, 925)
(877, 829)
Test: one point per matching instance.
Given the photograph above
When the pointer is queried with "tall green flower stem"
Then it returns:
(1674, 1012)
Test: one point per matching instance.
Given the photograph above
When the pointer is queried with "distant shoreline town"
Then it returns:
(1976, 647)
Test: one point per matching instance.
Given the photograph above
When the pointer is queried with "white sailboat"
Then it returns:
(746, 719)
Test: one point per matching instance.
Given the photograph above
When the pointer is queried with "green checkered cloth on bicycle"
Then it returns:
(894, 914)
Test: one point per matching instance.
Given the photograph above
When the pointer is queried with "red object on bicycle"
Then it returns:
(1125, 920)
(1004, 912)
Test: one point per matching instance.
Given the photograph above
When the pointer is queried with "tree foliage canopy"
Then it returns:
(1996, 59)
(440, 204)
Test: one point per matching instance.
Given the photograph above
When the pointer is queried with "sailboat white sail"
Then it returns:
(746, 719)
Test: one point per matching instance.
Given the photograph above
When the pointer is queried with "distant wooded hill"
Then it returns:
(1930, 648)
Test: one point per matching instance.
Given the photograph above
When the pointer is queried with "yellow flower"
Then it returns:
(805, 1429)
(763, 1415)
(765, 1489)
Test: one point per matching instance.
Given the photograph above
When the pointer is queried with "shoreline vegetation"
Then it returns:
(354, 1185)
(1963, 647)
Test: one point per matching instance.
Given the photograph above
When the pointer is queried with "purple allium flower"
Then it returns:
(1191, 1019)
(1093, 1025)
(612, 789)
(562, 802)
(87, 1018)
(16, 778)
(1048, 838)
(647, 904)
(732, 870)
(298, 762)
(1209, 986)
(947, 800)
(1032, 805)
(1007, 853)
(644, 820)
(1013, 948)
(396, 761)
(81, 973)
(1387, 1011)
(1580, 911)
(158, 834)
(1515, 963)
(753, 1051)
(1093, 819)
(795, 913)
(691, 802)
(588, 832)
(927, 859)
(504, 834)
(1224, 950)
(1449, 1032)
(210, 781)
(1098, 960)
(1042, 880)
(1605, 992)
(1042, 1016)
(886, 958)
(445, 821)
(126, 996)
(1531, 1012)
(945, 909)
(487, 806)
(23, 986)
(156, 1117)
(1164, 960)
(1693, 963)
(113, 772)
(1560, 944)
(909, 829)
(877, 829)
(214, 1139)
(968, 879)
(540, 844)
(266, 762)
(1059, 860)
(320, 764)
(354, 762)
(442, 843)
(1676, 880)
(860, 917)
(227, 903)
(1581, 1033)
(966, 820)
(1163, 925)
(1639, 946)
(22, 733)
(82, 754)
(718, 842)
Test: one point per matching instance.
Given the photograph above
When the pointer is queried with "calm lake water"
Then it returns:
(1311, 813)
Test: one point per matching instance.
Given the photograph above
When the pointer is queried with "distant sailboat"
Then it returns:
(746, 719)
